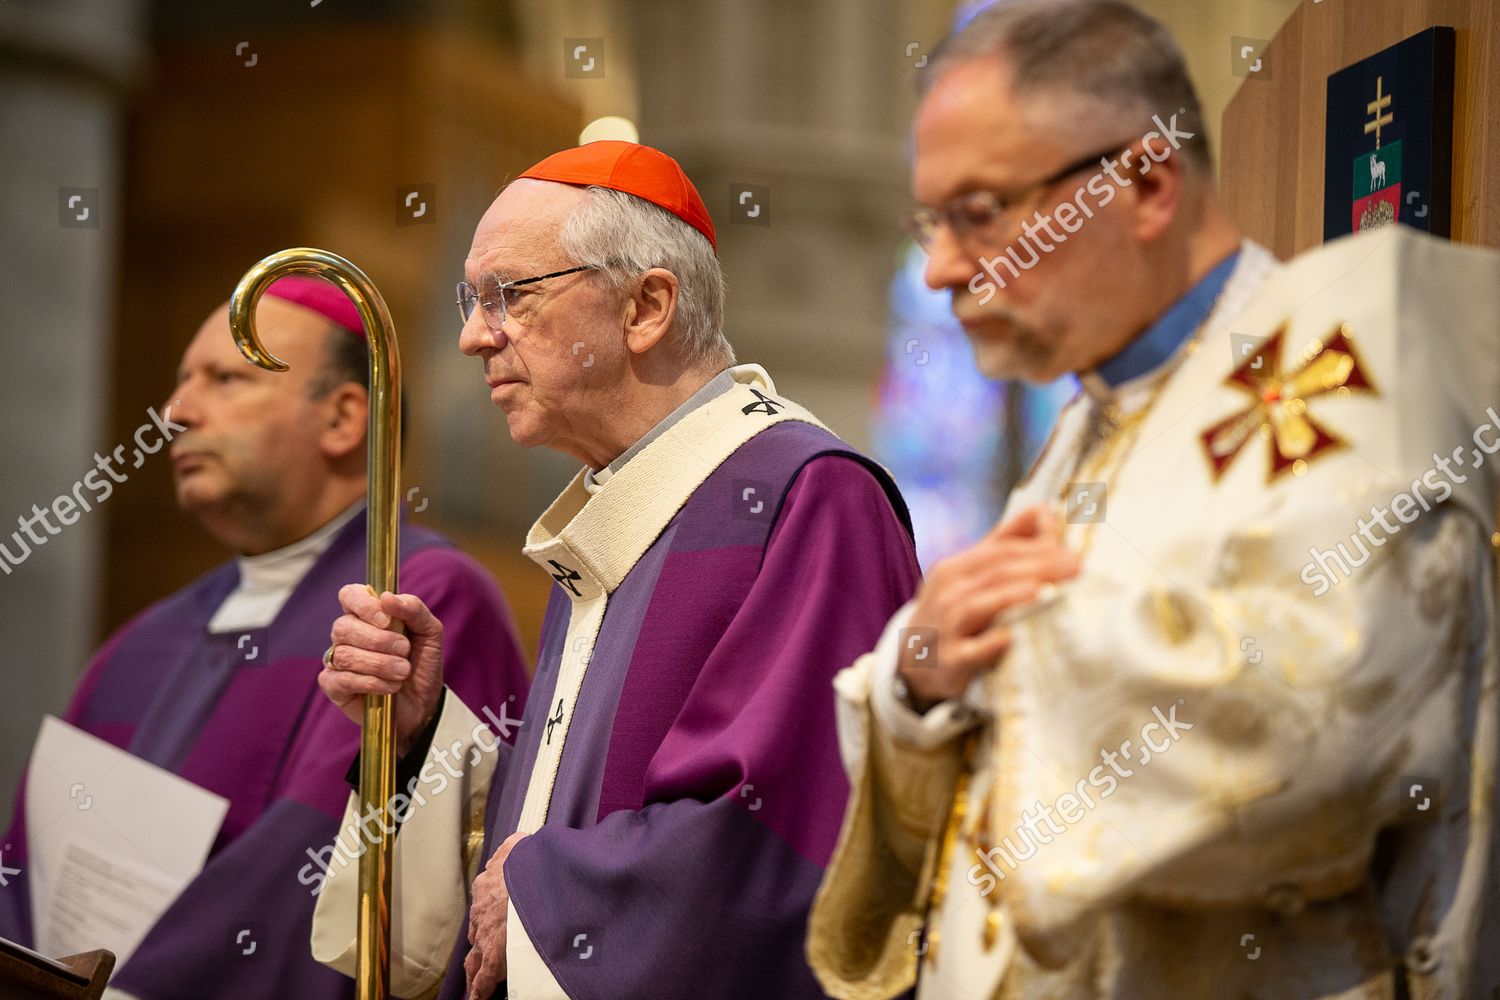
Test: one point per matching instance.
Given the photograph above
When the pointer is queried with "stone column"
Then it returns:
(64, 66)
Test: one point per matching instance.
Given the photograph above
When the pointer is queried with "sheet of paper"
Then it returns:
(112, 841)
(102, 902)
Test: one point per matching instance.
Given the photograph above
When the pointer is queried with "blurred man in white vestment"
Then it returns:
(1211, 713)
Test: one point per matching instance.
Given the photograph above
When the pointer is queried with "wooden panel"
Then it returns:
(1271, 164)
(26, 975)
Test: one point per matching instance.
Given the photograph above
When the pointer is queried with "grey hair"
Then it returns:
(629, 235)
(1107, 52)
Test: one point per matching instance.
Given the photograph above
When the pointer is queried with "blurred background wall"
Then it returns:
(154, 149)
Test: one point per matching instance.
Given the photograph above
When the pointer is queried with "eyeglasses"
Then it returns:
(493, 294)
(972, 215)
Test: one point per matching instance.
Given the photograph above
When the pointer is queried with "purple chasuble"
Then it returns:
(246, 719)
(700, 791)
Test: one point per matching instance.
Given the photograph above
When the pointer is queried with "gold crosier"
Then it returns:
(377, 744)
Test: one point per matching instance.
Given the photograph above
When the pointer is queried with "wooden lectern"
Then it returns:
(1271, 157)
(25, 975)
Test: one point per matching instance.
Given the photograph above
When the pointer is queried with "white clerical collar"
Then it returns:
(594, 481)
(267, 580)
(588, 542)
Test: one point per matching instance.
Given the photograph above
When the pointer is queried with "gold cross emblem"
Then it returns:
(1378, 108)
(1278, 407)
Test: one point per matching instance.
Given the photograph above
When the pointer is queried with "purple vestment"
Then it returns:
(245, 718)
(700, 791)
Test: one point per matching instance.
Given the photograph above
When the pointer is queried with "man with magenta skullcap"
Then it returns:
(676, 788)
(217, 683)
